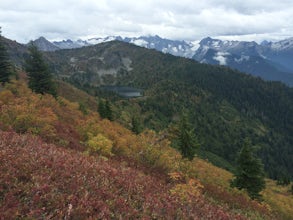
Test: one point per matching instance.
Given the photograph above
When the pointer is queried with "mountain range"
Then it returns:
(62, 160)
(225, 105)
(174, 47)
(268, 60)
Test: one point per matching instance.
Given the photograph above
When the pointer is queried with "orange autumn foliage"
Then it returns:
(60, 122)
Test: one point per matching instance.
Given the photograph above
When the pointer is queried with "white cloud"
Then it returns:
(185, 19)
(220, 57)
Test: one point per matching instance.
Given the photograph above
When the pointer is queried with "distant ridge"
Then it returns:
(174, 47)
(270, 61)
(45, 45)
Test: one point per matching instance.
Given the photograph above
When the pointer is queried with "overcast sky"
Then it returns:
(23, 20)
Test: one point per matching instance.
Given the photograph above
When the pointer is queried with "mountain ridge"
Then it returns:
(174, 47)
(269, 60)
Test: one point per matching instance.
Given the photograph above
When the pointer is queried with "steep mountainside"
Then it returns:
(65, 163)
(60, 183)
(225, 106)
(270, 61)
(281, 53)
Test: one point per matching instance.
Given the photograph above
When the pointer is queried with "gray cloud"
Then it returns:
(185, 19)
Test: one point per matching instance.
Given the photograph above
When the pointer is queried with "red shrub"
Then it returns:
(38, 180)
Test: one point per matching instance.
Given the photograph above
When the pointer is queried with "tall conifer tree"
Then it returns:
(186, 139)
(105, 110)
(136, 125)
(102, 109)
(249, 174)
(5, 66)
(109, 111)
(40, 79)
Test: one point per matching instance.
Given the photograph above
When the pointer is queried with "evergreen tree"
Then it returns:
(283, 180)
(136, 125)
(105, 110)
(5, 66)
(102, 109)
(82, 108)
(109, 112)
(187, 141)
(40, 79)
(249, 174)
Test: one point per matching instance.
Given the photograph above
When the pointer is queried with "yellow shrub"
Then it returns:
(6, 96)
(100, 144)
(279, 198)
(169, 159)
(187, 191)
(155, 150)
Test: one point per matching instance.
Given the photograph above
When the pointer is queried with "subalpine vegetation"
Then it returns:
(72, 159)
(58, 162)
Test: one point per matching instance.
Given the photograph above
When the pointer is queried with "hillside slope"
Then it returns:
(16, 51)
(39, 180)
(70, 164)
(225, 105)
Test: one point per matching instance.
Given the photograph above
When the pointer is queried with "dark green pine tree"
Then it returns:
(187, 141)
(249, 174)
(136, 126)
(82, 107)
(102, 109)
(109, 112)
(5, 65)
(40, 79)
(105, 110)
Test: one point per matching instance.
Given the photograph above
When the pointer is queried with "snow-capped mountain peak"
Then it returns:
(99, 40)
(69, 44)
(175, 47)
(271, 61)
(286, 44)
